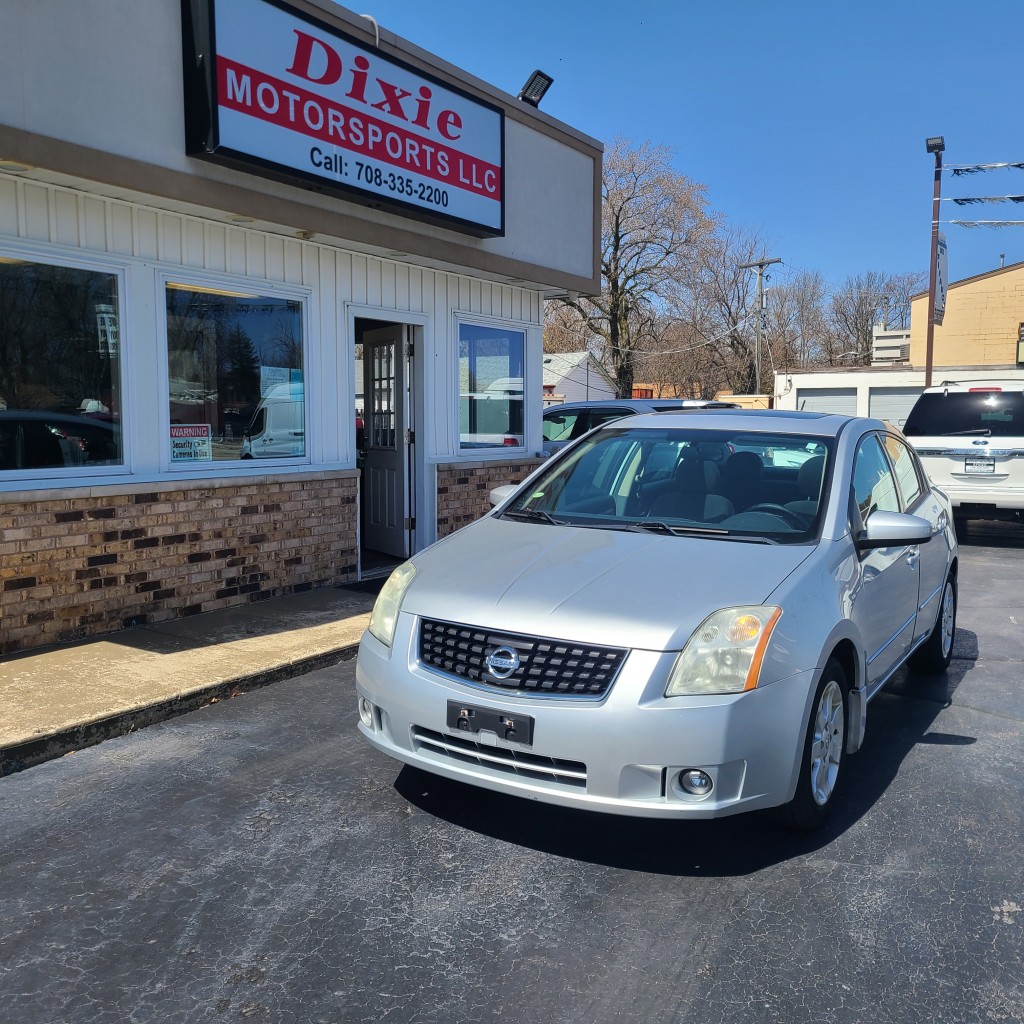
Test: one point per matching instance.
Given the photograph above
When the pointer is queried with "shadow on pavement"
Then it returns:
(900, 718)
(990, 533)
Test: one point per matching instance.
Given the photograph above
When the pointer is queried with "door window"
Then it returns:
(905, 465)
(874, 488)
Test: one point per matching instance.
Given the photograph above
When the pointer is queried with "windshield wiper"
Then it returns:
(656, 526)
(982, 431)
(536, 514)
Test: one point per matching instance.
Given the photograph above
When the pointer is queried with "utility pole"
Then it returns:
(760, 264)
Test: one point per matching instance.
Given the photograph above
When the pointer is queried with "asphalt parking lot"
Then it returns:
(256, 860)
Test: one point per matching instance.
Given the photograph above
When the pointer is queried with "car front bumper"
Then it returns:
(621, 754)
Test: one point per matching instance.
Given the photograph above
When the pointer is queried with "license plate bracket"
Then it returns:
(978, 465)
(506, 725)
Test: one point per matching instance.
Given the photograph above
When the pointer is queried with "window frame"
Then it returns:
(905, 504)
(495, 452)
(17, 479)
(199, 280)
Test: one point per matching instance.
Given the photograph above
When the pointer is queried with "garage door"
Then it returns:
(838, 400)
(892, 404)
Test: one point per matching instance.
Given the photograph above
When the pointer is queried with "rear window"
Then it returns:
(985, 413)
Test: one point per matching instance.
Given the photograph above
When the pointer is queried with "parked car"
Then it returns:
(970, 437)
(40, 439)
(619, 638)
(570, 420)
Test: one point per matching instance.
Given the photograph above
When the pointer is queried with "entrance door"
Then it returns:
(385, 471)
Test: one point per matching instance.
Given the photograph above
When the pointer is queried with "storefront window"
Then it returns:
(490, 387)
(235, 371)
(60, 381)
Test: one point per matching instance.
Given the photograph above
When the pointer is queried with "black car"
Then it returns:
(38, 439)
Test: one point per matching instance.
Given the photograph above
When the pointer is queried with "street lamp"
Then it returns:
(937, 145)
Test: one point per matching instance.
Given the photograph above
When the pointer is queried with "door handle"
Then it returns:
(912, 556)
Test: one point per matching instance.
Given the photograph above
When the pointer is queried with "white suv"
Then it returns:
(970, 437)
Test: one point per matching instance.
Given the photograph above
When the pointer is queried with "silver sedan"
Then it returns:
(645, 627)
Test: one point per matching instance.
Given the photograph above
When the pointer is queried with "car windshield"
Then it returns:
(984, 413)
(723, 484)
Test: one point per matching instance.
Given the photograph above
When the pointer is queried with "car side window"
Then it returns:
(874, 487)
(905, 466)
(599, 416)
(558, 426)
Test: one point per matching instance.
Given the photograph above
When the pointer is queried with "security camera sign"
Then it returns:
(192, 442)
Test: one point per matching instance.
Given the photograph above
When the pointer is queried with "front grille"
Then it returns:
(520, 763)
(545, 666)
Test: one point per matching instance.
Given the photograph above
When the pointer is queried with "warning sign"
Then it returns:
(191, 443)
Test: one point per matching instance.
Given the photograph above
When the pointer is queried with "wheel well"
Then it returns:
(845, 653)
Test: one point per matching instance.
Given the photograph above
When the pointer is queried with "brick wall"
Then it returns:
(463, 489)
(74, 565)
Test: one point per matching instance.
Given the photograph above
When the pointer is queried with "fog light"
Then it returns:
(366, 712)
(694, 781)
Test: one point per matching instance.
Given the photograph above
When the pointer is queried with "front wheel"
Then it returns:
(935, 654)
(824, 749)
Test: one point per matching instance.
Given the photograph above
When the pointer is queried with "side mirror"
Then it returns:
(893, 530)
(500, 494)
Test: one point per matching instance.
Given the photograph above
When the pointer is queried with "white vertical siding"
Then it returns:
(150, 241)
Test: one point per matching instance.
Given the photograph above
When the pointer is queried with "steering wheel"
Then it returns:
(791, 518)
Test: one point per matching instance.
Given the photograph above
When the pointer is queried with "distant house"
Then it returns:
(575, 377)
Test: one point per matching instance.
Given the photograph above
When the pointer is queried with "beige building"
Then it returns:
(983, 324)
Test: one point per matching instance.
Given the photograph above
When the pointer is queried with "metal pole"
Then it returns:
(930, 338)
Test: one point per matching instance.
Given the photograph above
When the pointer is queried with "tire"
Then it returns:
(823, 753)
(934, 655)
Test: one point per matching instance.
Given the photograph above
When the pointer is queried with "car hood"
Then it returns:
(605, 587)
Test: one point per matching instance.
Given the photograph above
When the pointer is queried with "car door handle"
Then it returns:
(913, 554)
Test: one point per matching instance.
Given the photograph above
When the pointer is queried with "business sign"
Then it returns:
(191, 442)
(941, 280)
(272, 90)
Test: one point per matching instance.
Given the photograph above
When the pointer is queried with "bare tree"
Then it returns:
(855, 308)
(716, 302)
(653, 219)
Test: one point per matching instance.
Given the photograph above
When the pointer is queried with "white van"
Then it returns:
(278, 427)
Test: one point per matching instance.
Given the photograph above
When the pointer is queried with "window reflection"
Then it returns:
(235, 371)
(60, 381)
(490, 387)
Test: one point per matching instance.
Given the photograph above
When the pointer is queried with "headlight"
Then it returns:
(389, 600)
(725, 652)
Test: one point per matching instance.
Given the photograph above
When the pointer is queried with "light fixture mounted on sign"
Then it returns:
(536, 85)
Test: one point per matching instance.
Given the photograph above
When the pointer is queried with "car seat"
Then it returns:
(741, 476)
(691, 495)
(808, 482)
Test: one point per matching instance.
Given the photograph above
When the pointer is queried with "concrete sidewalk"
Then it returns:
(64, 698)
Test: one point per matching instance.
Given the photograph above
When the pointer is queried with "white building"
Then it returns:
(575, 377)
(184, 241)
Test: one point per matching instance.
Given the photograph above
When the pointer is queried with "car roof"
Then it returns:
(44, 414)
(967, 386)
(766, 421)
(642, 403)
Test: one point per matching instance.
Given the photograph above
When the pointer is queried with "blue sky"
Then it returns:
(806, 120)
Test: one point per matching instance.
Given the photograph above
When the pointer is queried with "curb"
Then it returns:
(19, 756)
